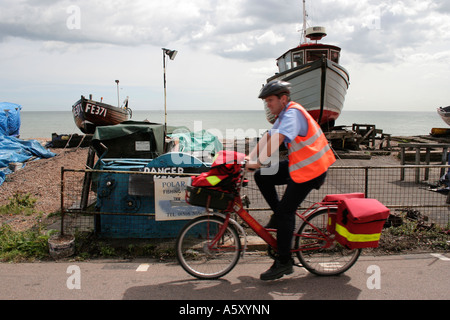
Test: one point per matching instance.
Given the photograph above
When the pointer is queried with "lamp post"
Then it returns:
(171, 54)
(118, 100)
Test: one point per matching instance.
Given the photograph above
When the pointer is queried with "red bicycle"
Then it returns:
(209, 246)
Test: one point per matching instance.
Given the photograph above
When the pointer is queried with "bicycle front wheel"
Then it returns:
(316, 250)
(206, 249)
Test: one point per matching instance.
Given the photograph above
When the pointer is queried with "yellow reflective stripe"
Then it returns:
(356, 237)
(213, 180)
(310, 160)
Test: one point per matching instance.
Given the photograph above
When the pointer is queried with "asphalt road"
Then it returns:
(422, 276)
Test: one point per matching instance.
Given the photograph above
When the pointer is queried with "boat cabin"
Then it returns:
(309, 51)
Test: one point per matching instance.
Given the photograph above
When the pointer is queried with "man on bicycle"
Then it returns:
(309, 159)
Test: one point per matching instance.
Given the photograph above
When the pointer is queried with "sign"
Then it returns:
(170, 203)
(142, 145)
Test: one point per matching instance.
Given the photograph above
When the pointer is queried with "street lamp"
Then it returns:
(118, 100)
(171, 54)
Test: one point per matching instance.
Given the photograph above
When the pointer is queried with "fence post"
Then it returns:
(87, 180)
(62, 200)
(366, 184)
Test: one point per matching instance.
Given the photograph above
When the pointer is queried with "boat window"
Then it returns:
(313, 55)
(288, 61)
(335, 56)
(281, 64)
(285, 63)
(298, 59)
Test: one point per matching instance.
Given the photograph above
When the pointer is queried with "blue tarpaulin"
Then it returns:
(9, 119)
(12, 149)
(15, 150)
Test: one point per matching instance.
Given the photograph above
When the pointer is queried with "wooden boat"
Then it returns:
(444, 112)
(319, 82)
(89, 114)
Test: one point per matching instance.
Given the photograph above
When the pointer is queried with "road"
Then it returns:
(422, 276)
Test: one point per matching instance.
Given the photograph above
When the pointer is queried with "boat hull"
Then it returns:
(444, 113)
(320, 87)
(89, 114)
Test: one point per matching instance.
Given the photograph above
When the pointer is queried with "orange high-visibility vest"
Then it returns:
(309, 156)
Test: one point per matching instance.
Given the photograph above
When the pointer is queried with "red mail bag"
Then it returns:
(331, 224)
(359, 222)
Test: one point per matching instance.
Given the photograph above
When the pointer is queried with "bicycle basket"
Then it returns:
(206, 197)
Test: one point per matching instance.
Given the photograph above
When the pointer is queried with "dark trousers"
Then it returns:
(284, 209)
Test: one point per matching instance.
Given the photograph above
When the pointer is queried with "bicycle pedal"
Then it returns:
(298, 265)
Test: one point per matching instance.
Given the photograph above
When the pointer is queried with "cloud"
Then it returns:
(227, 28)
(443, 6)
(113, 22)
(374, 31)
(236, 29)
(217, 40)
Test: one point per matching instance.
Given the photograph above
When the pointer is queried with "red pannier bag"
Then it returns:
(337, 198)
(359, 222)
(341, 196)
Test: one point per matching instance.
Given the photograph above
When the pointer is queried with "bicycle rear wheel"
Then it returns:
(204, 252)
(317, 252)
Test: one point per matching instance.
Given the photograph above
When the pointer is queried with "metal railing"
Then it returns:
(87, 194)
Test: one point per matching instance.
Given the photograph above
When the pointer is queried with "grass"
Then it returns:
(89, 246)
(32, 245)
(20, 246)
(414, 233)
(26, 245)
(19, 203)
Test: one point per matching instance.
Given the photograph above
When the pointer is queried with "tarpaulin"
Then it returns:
(9, 118)
(198, 141)
(120, 139)
(15, 150)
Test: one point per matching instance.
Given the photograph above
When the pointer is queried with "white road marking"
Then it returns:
(440, 256)
(143, 267)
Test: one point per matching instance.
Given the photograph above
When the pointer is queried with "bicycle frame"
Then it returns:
(264, 233)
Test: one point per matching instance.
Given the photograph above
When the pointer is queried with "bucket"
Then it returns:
(61, 246)
(14, 166)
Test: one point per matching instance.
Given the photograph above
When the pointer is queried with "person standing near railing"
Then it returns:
(310, 156)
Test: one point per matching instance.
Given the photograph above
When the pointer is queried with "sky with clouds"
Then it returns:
(53, 51)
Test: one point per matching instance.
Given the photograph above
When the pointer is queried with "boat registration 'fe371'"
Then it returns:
(89, 114)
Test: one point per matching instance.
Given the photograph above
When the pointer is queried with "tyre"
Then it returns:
(204, 252)
(320, 254)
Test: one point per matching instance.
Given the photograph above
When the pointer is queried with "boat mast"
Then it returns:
(303, 40)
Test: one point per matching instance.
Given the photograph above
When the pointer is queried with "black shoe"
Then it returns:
(272, 224)
(277, 270)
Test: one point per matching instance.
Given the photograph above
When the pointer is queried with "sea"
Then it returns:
(231, 124)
